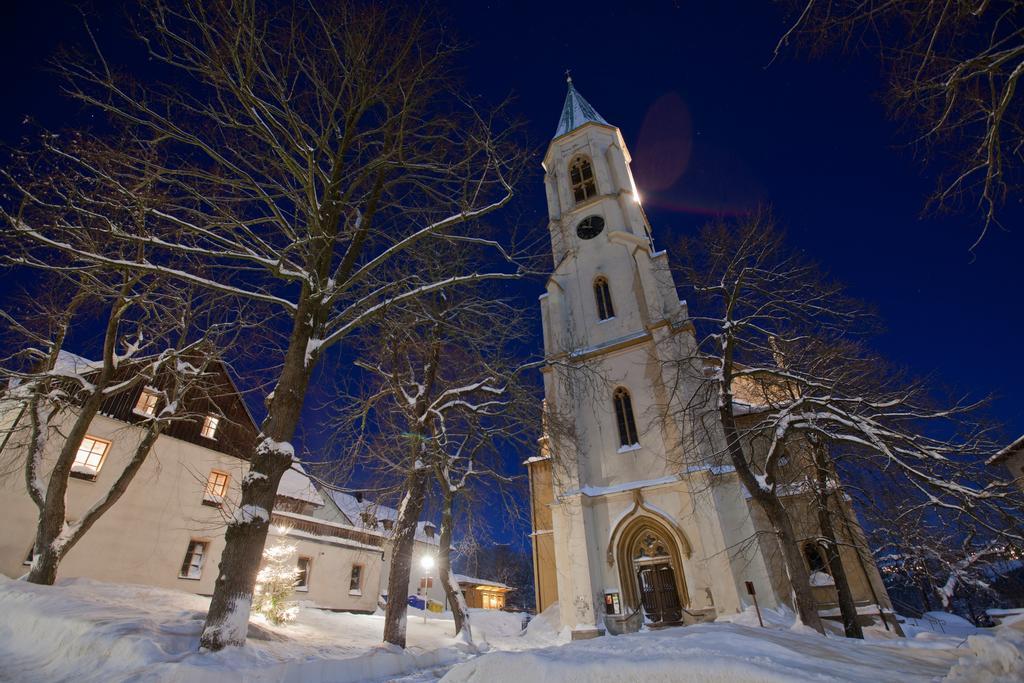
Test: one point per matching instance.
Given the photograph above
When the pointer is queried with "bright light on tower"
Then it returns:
(427, 562)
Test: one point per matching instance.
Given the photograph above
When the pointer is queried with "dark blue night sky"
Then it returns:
(712, 129)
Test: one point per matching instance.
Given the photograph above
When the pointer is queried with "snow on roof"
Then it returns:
(358, 511)
(71, 363)
(575, 112)
(295, 484)
(462, 578)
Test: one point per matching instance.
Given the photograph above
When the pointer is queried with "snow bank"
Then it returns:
(89, 631)
(715, 652)
(991, 660)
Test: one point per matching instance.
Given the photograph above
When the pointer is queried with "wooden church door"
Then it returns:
(658, 593)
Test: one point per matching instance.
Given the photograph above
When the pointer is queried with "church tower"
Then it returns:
(615, 522)
(635, 517)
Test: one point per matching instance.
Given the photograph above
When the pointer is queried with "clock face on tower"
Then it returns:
(590, 227)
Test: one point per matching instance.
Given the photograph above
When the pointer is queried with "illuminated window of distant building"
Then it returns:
(210, 424)
(216, 488)
(146, 405)
(89, 458)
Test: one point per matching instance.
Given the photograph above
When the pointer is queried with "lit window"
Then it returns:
(302, 582)
(604, 299)
(192, 566)
(210, 423)
(89, 458)
(581, 175)
(624, 418)
(146, 404)
(216, 488)
(355, 584)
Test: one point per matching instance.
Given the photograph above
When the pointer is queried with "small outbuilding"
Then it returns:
(482, 593)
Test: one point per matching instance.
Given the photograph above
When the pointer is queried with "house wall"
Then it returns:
(144, 537)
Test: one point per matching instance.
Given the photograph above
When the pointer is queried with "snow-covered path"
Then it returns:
(85, 631)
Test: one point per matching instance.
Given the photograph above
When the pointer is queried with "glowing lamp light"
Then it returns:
(427, 562)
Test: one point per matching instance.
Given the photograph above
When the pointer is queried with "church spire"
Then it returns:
(576, 111)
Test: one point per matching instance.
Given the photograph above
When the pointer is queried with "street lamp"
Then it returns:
(427, 563)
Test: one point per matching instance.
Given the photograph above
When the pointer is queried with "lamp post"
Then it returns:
(427, 563)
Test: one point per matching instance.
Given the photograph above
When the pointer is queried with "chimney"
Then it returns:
(359, 496)
(429, 529)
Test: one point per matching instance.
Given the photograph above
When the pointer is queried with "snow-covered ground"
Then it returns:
(83, 631)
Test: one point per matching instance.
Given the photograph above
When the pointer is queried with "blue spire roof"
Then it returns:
(576, 111)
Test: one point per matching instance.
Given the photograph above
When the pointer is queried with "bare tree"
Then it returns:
(954, 69)
(151, 336)
(783, 366)
(441, 401)
(298, 153)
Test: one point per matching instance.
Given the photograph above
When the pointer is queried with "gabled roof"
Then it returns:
(472, 580)
(575, 112)
(296, 484)
(359, 512)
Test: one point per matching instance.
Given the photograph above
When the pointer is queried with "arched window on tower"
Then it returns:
(603, 296)
(624, 418)
(581, 176)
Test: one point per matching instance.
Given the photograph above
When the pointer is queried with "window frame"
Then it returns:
(603, 299)
(356, 575)
(139, 408)
(815, 547)
(585, 187)
(188, 561)
(210, 497)
(207, 420)
(304, 573)
(90, 475)
(625, 420)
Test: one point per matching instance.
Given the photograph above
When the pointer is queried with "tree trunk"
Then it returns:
(47, 551)
(847, 606)
(227, 621)
(401, 557)
(460, 612)
(799, 577)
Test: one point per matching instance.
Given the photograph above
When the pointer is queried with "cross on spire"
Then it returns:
(576, 111)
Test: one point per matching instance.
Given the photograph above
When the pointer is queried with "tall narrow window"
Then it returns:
(604, 299)
(355, 582)
(210, 424)
(302, 582)
(146, 404)
(216, 488)
(192, 566)
(624, 418)
(89, 458)
(581, 175)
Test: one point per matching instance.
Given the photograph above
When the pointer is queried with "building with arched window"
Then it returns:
(640, 517)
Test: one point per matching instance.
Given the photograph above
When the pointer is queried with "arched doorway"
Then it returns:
(651, 571)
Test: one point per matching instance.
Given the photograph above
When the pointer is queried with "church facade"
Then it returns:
(626, 526)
